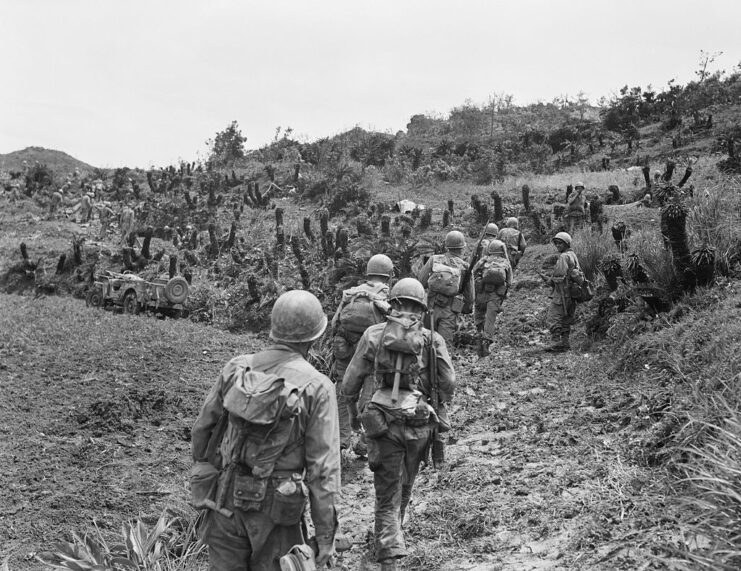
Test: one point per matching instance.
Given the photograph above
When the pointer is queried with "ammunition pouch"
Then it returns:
(457, 304)
(289, 500)
(282, 496)
(204, 478)
(375, 422)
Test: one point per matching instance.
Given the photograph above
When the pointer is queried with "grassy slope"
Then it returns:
(96, 416)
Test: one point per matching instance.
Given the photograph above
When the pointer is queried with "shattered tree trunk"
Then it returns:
(498, 212)
(147, 240)
(173, 266)
(213, 248)
(674, 229)
(296, 247)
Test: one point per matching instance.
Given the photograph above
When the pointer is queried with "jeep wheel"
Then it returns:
(94, 298)
(176, 290)
(131, 304)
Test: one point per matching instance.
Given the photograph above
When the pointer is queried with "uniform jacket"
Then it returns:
(567, 261)
(513, 238)
(576, 203)
(479, 268)
(317, 422)
(449, 260)
(363, 363)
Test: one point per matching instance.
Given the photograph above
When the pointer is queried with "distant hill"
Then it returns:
(59, 162)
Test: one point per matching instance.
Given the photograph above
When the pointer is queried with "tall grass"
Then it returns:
(656, 259)
(591, 247)
(698, 349)
(715, 220)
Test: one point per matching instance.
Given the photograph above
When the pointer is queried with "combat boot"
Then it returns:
(388, 565)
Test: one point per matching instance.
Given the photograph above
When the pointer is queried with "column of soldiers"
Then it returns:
(260, 464)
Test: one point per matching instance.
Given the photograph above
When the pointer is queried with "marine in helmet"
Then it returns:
(575, 210)
(255, 489)
(105, 214)
(561, 308)
(492, 276)
(514, 240)
(127, 222)
(54, 202)
(399, 432)
(361, 306)
(442, 275)
(490, 233)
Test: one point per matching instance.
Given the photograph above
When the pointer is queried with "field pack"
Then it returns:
(494, 271)
(361, 309)
(444, 279)
(400, 348)
(580, 288)
(262, 408)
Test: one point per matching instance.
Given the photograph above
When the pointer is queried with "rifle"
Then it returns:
(472, 262)
(545, 278)
(438, 444)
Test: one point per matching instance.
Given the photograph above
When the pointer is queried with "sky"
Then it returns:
(143, 83)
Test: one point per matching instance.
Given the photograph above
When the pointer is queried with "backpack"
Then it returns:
(262, 408)
(579, 287)
(400, 349)
(444, 279)
(361, 309)
(494, 271)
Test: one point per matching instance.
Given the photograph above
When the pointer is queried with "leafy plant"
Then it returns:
(167, 546)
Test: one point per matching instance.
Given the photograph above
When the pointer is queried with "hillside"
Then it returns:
(59, 161)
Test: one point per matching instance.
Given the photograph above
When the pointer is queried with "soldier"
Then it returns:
(256, 488)
(561, 308)
(105, 213)
(514, 240)
(442, 275)
(86, 208)
(492, 278)
(56, 200)
(361, 307)
(490, 233)
(575, 208)
(127, 223)
(399, 432)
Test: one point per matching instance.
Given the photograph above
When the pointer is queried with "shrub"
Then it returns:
(715, 221)
(591, 247)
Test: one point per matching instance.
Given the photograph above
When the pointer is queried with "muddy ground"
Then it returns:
(97, 409)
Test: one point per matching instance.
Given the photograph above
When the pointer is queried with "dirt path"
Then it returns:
(98, 407)
(535, 477)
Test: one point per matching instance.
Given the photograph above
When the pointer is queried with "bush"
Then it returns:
(591, 247)
(715, 220)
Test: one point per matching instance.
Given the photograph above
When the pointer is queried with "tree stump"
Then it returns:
(498, 212)
(307, 229)
(386, 225)
(173, 266)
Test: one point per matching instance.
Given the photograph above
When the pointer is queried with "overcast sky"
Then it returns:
(146, 82)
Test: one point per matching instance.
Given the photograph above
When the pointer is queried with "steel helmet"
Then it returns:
(409, 289)
(454, 239)
(578, 185)
(513, 222)
(496, 247)
(491, 229)
(297, 317)
(563, 237)
(379, 265)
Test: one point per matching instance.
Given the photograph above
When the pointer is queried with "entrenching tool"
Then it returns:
(397, 378)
